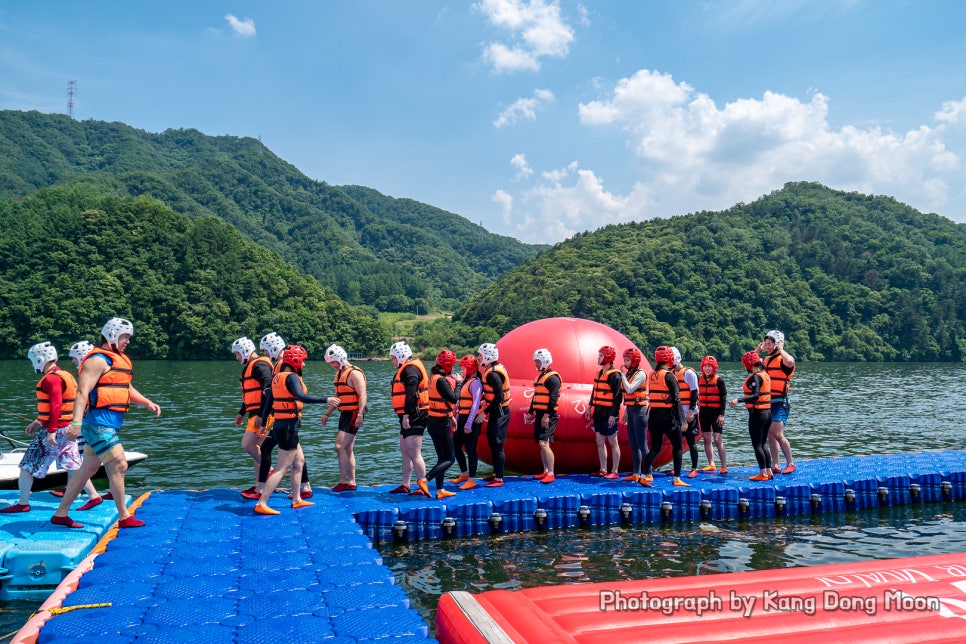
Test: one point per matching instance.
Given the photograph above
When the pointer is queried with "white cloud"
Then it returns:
(692, 154)
(537, 28)
(524, 171)
(244, 27)
(524, 108)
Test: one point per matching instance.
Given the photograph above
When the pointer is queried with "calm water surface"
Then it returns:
(838, 409)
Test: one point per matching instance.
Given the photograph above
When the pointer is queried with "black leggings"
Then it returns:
(268, 445)
(463, 440)
(659, 426)
(759, 420)
(496, 428)
(692, 439)
(438, 429)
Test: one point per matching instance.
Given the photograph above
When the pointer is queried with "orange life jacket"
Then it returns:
(439, 407)
(488, 393)
(399, 389)
(764, 393)
(284, 405)
(779, 378)
(348, 397)
(465, 404)
(67, 400)
(541, 393)
(658, 395)
(638, 397)
(684, 389)
(113, 388)
(603, 395)
(709, 395)
(252, 389)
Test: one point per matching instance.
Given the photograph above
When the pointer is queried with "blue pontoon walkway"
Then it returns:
(206, 568)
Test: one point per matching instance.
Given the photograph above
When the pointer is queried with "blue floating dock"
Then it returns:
(206, 566)
(36, 556)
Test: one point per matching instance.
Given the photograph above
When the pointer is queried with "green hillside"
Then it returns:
(370, 249)
(70, 258)
(844, 275)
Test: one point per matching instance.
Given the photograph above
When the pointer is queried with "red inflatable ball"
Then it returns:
(574, 344)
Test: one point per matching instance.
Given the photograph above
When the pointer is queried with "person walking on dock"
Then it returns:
(496, 406)
(634, 382)
(757, 399)
(543, 411)
(712, 395)
(441, 422)
(605, 410)
(410, 401)
(666, 414)
(56, 393)
(105, 389)
(780, 367)
(350, 387)
(256, 378)
(284, 401)
(467, 429)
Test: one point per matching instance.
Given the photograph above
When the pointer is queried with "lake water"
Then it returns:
(838, 409)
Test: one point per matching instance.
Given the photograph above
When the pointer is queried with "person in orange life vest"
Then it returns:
(105, 389)
(410, 401)
(77, 352)
(688, 390)
(350, 387)
(634, 382)
(55, 411)
(442, 422)
(757, 399)
(273, 345)
(543, 411)
(605, 410)
(256, 377)
(666, 415)
(284, 401)
(467, 429)
(496, 407)
(780, 367)
(712, 395)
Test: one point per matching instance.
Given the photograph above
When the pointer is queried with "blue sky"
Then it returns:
(535, 118)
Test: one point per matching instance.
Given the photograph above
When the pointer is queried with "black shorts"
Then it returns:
(286, 434)
(600, 423)
(347, 422)
(415, 429)
(709, 421)
(541, 434)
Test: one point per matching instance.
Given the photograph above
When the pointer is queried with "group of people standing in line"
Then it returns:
(78, 420)
(673, 402)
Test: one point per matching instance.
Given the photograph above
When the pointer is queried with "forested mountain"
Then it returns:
(846, 277)
(70, 258)
(369, 248)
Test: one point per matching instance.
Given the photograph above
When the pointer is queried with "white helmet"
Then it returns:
(543, 355)
(115, 328)
(400, 351)
(244, 346)
(489, 353)
(335, 353)
(777, 336)
(677, 356)
(273, 343)
(79, 350)
(41, 354)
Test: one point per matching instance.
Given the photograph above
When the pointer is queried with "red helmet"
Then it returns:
(664, 354)
(295, 356)
(469, 365)
(709, 360)
(634, 355)
(609, 354)
(750, 359)
(446, 359)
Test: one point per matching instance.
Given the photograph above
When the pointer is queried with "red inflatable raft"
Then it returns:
(574, 344)
(919, 599)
